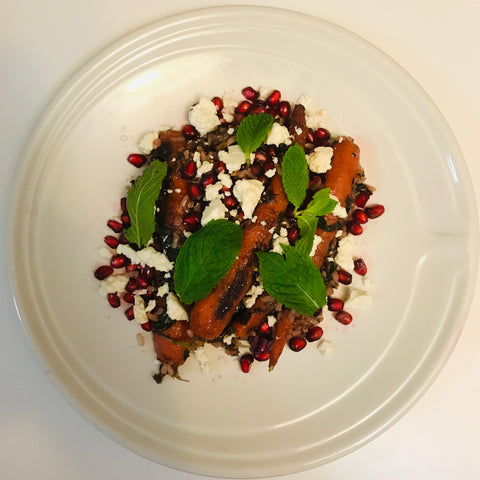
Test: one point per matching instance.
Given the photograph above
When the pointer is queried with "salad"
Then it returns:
(239, 230)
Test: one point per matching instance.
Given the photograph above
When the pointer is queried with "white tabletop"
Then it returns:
(41, 44)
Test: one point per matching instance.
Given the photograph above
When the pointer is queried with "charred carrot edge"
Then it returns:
(168, 351)
(178, 332)
(283, 328)
(211, 315)
(263, 306)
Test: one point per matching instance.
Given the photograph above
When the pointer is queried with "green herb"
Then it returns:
(252, 132)
(295, 174)
(308, 226)
(293, 280)
(141, 200)
(321, 203)
(205, 258)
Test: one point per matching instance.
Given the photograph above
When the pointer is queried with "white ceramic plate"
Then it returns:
(422, 253)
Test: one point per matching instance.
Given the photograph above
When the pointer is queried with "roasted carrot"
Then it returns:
(282, 328)
(211, 315)
(254, 316)
(168, 351)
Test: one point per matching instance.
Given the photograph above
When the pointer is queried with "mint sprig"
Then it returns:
(252, 132)
(293, 280)
(141, 200)
(295, 174)
(205, 258)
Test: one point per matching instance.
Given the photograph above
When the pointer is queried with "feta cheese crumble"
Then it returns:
(339, 211)
(147, 256)
(145, 145)
(213, 211)
(203, 116)
(233, 157)
(319, 161)
(315, 117)
(344, 257)
(248, 193)
(252, 295)
(175, 309)
(113, 284)
(278, 134)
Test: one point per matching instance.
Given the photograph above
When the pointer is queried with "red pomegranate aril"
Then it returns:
(268, 165)
(243, 107)
(343, 317)
(119, 261)
(103, 272)
(292, 234)
(321, 136)
(191, 222)
(246, 361)
(230, 202)
(137, 160)
(284, 109)
(297, 343)
(274, 98)
(131, 267)
(260, 156)
(147, 326)
(113, 300)
(362, 198)
(189, 132)
(374, 211)
(141, 282)
(355, 228)
(129, 313)
(218, 102)
(190, 170)
(264, 327)
(262, 357)
(209, 179)
(220, 167)
(250, 94)
(123, 204)
(360, 266)
(195, 191)
(111, 241)
(115, 225)
(129, 297)
(314, 333)
(258, 109)
(125, 220)
(238, 117)
(256, 168)
(344, 277)
(335, 304)
(131, 285)
(274, 111)
(310, 136)
(359, 216)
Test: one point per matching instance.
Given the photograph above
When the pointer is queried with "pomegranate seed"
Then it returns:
(218, 102)
(273, 111)
(243, 107)
(118, 261)
(260, 156)
(189, 132)
(344, 317)
(230, 202)
(293, 234)
(103, 272)
(246, 361)
(264, 344)
(362, 198)
(375, 211)
(258, 109)
(220, 167)
(268, 165)
(274, 98)
(272, 150)
(284, 109)
(360, 266)
(141, 282)
(334, 304)
(123, 204)
(113, 300)
(115, 225)
(133, 266)
(321, 136)
(195, 191)
(238, 117)
(256, 168)
(147, 326)
(191, 222)
(131, 285)
(129, 313)
(314, 333)
(344, 277)
(297, 343)
(111, 241)
(148, 272)
(355, 228)
(129, 297)
(209, 179)
(359, 216)
(250, 94)
(190, 170)
(264, 327)
(125, 220)
(137, 160)
(310, 136)
(262, 357)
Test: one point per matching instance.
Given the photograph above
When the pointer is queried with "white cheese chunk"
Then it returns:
(175, 309)
(230, 103)
(277, 242)
(271, 320)
(213, 211)
(317, 240)
(145, 145)
(319, 161)
(163, 290)
(139, 310)
(252, 295)
(147, 256)
(339, 211)
(315, 117)
(325, 347)
(203, 116)
(212, 191)
(225, 179)
(359, 291)
(278, 134)
(345, 252)
(248, 193)
(113, 284)
(204, 167)
(233, 157)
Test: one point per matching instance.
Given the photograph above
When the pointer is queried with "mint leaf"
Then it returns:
(293, 280)
(205, 258)
(295, 174)
(141, 200)
(321, 203)
(308, 226)
(253, 131)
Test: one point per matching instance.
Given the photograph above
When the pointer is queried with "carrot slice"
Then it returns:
(283, 328)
